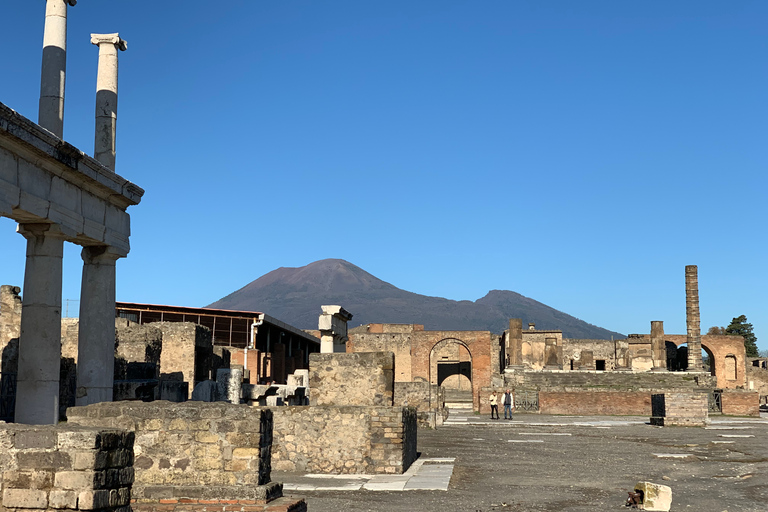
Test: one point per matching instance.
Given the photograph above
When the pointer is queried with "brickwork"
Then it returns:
(344, 440)
(65, 468)
(680, 408)
(598, 403)
(612, 381)
(365, 379)
(720, 347)
(193, 450)
(741, 403)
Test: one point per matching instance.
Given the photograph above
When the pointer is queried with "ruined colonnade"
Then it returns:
(58, 194)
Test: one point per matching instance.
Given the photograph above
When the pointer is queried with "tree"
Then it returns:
(716, 331)
(740, 327)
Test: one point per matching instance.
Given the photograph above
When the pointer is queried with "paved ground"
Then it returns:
(554, 463)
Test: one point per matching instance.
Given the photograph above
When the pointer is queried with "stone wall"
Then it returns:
(741, 403)
(64, 468)
(10, 327)
(187, 348)
(757, 379)
(680, 408)
(193, 450)
(365, 379)
(398, 343)
(344, 440)
(428, 399)
(620, 381)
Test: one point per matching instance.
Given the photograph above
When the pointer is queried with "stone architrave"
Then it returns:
(37, 392)
(106, 97)
(96, 345)
(333, 329)
(54, 67)
(658, 346)
(693, 318)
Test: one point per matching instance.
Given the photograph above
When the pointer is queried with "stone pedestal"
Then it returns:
(37, 394)
(96, 341)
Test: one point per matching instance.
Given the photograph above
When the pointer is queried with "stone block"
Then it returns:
(655, 497)
(35, 439)
(93, 500)
(62, 499)
(25, 498)
(27, 479)
(74, 480)
(44, 460)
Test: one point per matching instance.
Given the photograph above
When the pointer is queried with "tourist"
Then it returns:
(493, 400)
(509, 403)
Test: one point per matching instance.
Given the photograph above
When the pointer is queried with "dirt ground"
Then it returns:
(589, 470)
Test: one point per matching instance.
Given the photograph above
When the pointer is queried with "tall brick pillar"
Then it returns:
(515, 345)
(658, 346)
(693, 318)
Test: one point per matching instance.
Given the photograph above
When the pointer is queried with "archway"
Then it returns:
(450, 365)
(677, 357)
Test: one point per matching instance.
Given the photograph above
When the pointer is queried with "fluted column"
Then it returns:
(37, 392)
(106, 97)
(54, 68)
(96, 341)
(693, 318)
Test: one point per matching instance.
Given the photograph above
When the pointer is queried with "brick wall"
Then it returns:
(680, 408)
(344, 440)
(58, 468)
(609, 403)
(741, 403)
(193, 450)
(365, 378)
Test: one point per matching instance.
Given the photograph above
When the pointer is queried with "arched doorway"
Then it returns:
(450, 365)
(677, 357)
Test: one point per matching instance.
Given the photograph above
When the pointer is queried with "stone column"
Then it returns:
(658, 346)
(333, 329)
(37, 393)
(515, 348)
(693, 319)
(96, 340)
(106, 97)
(54, 68)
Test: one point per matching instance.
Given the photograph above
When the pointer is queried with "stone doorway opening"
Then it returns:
(450, 364)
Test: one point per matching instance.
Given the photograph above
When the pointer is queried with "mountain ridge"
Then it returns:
(295, 294)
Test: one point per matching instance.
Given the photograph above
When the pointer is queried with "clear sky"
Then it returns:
(579, 153)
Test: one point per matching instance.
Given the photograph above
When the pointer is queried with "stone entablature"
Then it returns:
(46, 180)
(65, 468)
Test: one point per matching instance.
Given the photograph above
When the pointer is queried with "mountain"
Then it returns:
(294, 295)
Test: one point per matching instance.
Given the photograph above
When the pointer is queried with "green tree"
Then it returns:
(740, 326)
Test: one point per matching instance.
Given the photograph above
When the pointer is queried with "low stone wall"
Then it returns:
(680, 409)
(343, 440)
(193, 450)
(598, 403)
(428, 399)
(65, 468)
(741, 403)
(365, 378)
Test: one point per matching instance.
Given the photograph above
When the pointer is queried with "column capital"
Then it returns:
(35, 230)
(101, 255)
(99, 39)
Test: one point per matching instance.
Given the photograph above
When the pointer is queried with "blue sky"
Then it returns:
(580, 153)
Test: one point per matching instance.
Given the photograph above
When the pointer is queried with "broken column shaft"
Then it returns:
(54, 68)
(106, 97)
(693, 318)
(658, 346)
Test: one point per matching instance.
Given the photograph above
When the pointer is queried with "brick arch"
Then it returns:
(477, 343)
(719, 347)
(434, 377)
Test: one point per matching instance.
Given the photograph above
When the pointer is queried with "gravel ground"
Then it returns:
(589, 470)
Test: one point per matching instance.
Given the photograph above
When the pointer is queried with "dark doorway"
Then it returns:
(447, 369)
(600, 365)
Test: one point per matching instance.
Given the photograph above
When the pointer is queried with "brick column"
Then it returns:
(658, 346)
(37, 393)
(693, 318)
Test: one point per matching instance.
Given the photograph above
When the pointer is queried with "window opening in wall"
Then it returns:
(571, 364)
(600, 365)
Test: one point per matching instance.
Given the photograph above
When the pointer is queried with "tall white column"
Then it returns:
(54, 67)
(37, 393)
(96, 341)
(106, 97)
